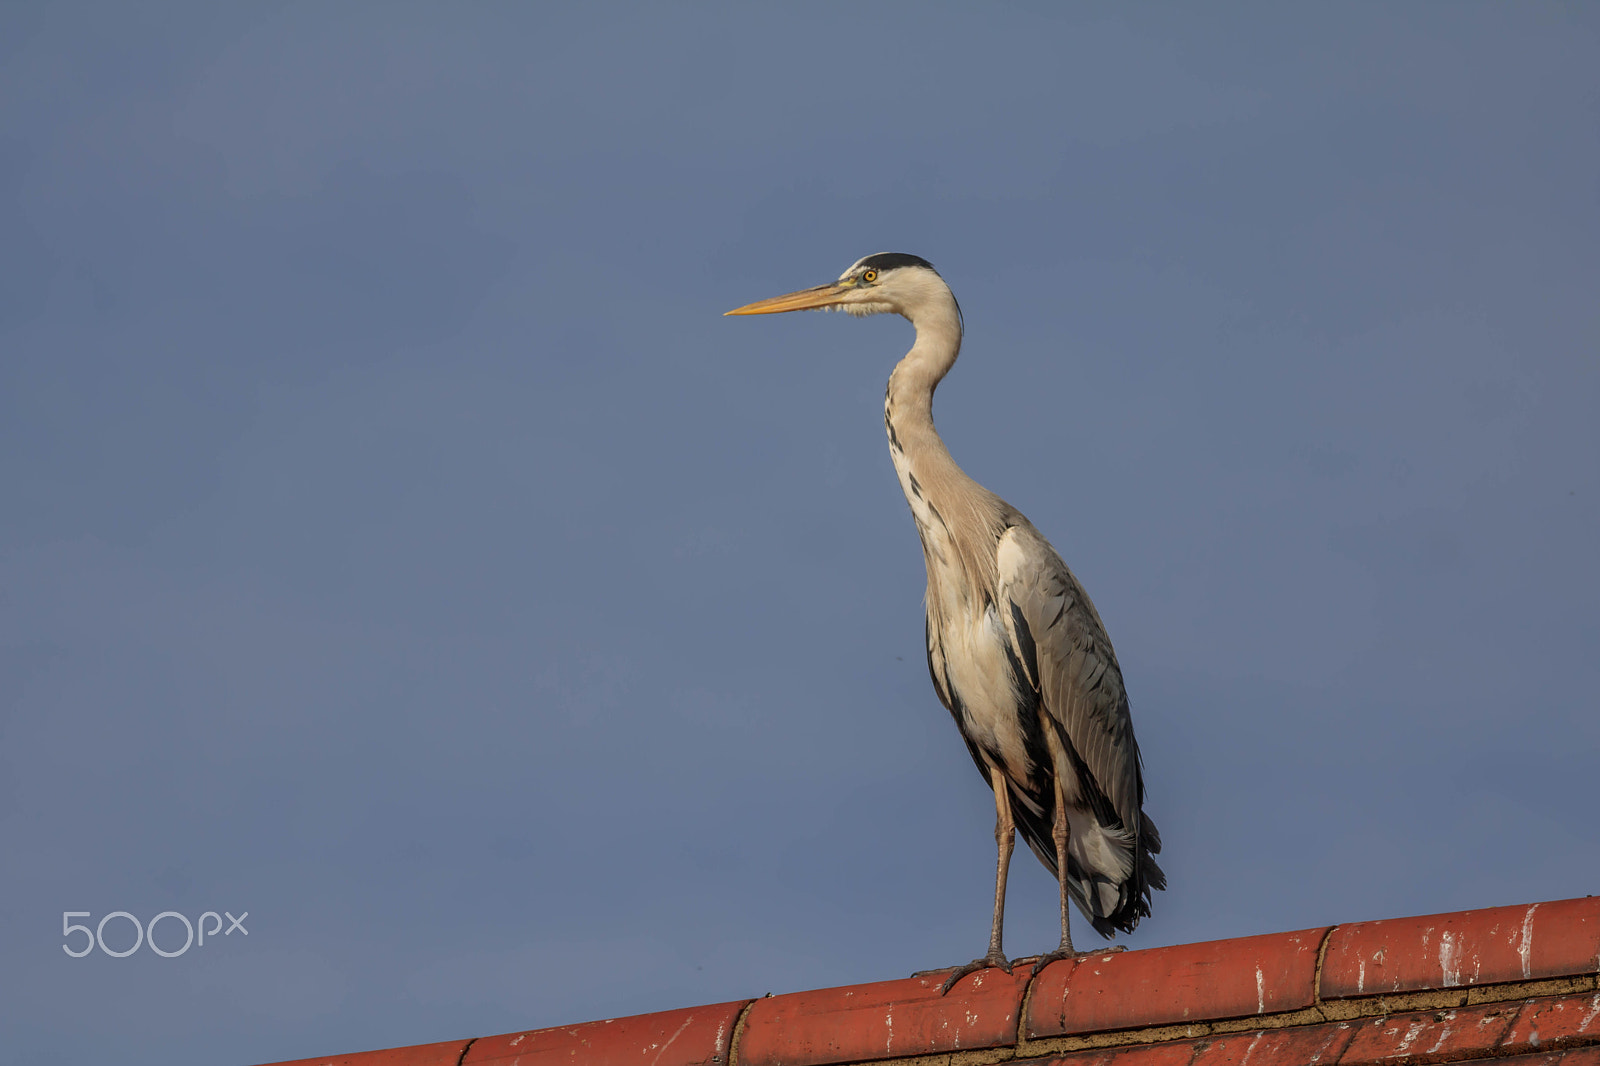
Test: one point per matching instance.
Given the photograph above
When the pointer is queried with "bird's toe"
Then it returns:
(992, 961)
(1067, 953)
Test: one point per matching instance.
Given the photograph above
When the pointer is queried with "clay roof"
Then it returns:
(1515, 984)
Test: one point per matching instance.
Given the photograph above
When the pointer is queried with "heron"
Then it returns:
(1016, 650)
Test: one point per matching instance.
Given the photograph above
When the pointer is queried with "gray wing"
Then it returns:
(1057, 636)
(1060, 639)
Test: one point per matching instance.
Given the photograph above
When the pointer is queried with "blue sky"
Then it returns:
(399, 546)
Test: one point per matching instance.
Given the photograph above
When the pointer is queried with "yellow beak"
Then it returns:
(805, 300)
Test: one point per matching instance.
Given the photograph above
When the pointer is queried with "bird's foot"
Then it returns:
(1068, 953)
(992, 961)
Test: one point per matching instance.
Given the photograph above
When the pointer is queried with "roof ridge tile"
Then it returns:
(1517, 985)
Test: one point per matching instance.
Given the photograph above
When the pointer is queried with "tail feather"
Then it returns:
(1110, 872)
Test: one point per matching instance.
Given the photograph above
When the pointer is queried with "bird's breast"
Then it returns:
(983, 684)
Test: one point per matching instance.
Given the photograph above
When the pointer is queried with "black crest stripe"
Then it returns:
(893, 260)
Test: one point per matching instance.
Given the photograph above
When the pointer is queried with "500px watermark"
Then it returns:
(146, 934)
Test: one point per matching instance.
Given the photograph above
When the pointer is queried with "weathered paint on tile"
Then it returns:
(1464, 948)
(447, 1053)
(1555, 1022)
(1165, 986)
(884, 1020)
(697, 1036)
(1429, 1036)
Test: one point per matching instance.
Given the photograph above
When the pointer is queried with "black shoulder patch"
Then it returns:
(1025, 644)
(894, 260)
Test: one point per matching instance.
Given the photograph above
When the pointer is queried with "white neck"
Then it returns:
(908, 404)
(946, 504)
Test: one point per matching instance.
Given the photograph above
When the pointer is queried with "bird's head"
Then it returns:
(889, 282)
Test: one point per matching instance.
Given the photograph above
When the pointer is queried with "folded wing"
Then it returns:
(1058, 637)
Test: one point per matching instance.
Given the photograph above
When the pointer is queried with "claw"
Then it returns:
(1059, 954)
(988, 962)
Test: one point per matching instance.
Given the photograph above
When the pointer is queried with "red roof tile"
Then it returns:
(1429, 1036)
(445, 1054)
(1533, 974)
(699, 1036)
(1176, 1054)
(1307, 1045)
(1555, 1023)
(884, 1020)
(1163, 986)
(1465, 948)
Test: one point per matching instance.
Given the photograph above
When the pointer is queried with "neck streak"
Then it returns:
(950, 509)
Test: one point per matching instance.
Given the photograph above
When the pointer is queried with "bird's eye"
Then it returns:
(869, 276)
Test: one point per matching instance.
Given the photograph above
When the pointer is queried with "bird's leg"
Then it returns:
(1060, 833)
(1005, 838)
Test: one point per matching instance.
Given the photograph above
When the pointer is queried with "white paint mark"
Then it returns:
(1261, 992)
(888, 1024)
(1327, 1041)
(1246, 1060)
(1449, 959)
(670, 1039)
(1444, 1031)
(1525, 948)
(518, 1040)
(1361, 975)
(1413, 1031)
(1594, 1009)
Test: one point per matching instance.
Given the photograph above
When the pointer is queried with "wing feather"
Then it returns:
(1058, 636)
(1055, 627)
